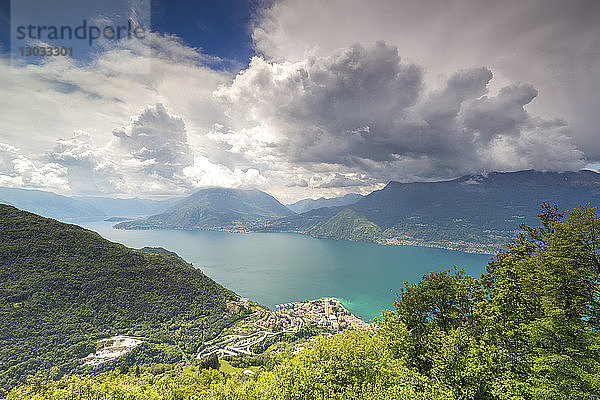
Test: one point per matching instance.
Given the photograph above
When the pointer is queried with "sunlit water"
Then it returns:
(273, 268)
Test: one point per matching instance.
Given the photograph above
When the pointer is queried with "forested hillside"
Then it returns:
(528, 329)
(215, 208)
(476, 213)
(346, 225)
(63, 287)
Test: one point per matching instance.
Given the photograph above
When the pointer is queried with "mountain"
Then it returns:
(47, 204)
(215, 208)
(128, 207)
(311, 204)
(346, 225)
(473, 213)
(52, 205)
(62, 288)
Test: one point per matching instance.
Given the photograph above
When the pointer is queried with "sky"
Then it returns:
(301, 99)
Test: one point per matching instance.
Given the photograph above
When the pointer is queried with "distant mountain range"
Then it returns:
(305, 205)
(128, 207)
(47, 204)
(476, 213)
(60, 207)
(215, 208)
(473, 213)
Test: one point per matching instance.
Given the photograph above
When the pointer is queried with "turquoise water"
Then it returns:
(274, 268)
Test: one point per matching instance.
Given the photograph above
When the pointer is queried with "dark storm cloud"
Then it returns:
(365, 110)
(552, 44)
(501, 115)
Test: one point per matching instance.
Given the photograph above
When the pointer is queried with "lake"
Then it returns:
(274, 268)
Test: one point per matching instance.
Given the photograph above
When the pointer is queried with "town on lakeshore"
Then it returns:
(325, 316)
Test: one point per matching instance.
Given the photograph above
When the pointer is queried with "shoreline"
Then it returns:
(466, 247)
(331, 310)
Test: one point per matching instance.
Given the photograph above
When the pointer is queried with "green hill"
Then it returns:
(346, 225)
(63, 287)
(215, 208)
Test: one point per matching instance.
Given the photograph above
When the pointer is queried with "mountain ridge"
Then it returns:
(52, 205)
(476, 213)
(47, 203)
(305, 205)
(215, 208)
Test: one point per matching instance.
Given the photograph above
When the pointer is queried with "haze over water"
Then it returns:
(274, 268)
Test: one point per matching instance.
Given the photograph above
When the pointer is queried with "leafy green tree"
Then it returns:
(210, 362)
(349, 365)
(543, 307)
(440, 303)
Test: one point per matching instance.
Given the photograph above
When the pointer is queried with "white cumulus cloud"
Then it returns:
(17, 170)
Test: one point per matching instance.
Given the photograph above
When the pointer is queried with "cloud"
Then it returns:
(19, 171)
(363, 110)
(100, 98)
(501, 115)
(296, 123)
(551, 44)
(48, 102)
(158, 140)
(89, 169)
(206, 174)
(336, 180)
(150, 155)
(326, 109)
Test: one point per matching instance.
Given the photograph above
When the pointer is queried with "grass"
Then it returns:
(224, 366)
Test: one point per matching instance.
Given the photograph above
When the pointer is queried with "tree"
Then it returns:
(210, 362)
(529, 329)
(543, 305)
(439, 303)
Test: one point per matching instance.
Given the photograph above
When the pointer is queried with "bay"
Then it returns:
(274, 268)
